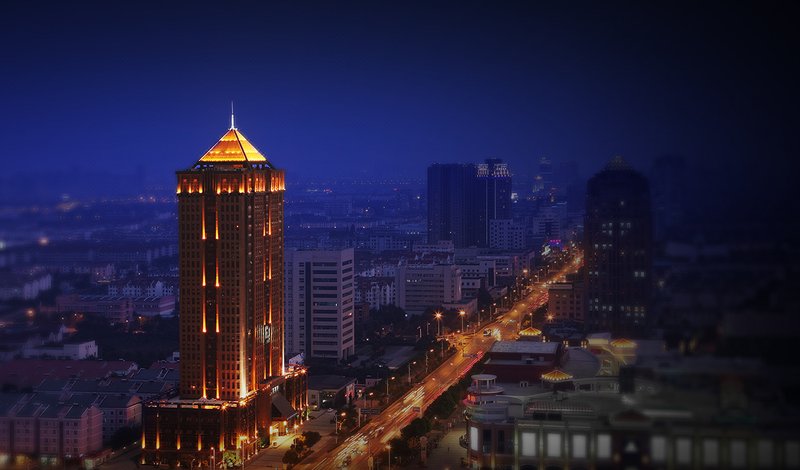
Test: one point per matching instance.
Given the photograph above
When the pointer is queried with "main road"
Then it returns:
(355, 452)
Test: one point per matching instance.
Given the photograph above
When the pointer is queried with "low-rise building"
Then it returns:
(646, 418)
(522, 361)
(49, 429)
(566, 301)
(420, 287)
(116, 310)
(330, 391)
(74, 351)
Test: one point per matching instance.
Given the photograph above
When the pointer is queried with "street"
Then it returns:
(373, 437)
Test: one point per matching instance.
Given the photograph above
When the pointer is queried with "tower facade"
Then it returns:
(618, 250)
(230, 226)
(235, 392)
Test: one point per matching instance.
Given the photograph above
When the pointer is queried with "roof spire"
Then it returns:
(233, 126)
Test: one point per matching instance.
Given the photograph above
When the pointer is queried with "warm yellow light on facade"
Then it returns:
(203, 314)
(178, 441)
(203, 220)
(233, 147)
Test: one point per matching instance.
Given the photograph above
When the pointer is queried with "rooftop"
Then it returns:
(328, 382)
(233, 147)
(526, 347)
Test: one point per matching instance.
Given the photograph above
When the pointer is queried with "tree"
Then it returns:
(291, 457)
(416, 428)
(124, 436)
(400, 449)
(484, 299)
(311, 438)
(231, 459)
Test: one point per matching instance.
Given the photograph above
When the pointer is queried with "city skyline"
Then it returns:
(458, 234)
(360, 96)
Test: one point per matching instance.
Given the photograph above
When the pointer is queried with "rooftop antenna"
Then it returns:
(232, 122)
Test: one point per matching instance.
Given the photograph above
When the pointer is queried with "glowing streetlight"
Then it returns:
(339, 424)
(462, 313)
(426, 361)
(438, 316)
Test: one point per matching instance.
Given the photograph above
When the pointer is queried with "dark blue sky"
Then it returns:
(386, 88)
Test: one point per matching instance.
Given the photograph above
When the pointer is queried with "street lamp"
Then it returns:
(409, 371)
(389, 448)
(364, 396)
(387, 384)
(462, 313)
(338, 424)
(438, 316)
(426, 361)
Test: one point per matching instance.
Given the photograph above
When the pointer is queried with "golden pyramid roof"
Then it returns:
(556, 376)
(233, 147)
(623, 343)
(530, 331)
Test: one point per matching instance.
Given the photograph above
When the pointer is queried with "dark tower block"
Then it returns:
(618, 250)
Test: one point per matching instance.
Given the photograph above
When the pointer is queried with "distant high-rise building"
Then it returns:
(319, 303)
(453, 202)
(544, 180)
(618, 252)
(506, 234)
(494, 180)
(232, 377)
(464, 198)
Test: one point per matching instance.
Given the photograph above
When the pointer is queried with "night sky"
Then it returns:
(383, 89)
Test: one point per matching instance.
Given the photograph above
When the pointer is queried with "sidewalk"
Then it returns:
(447, 456)
(272, 458)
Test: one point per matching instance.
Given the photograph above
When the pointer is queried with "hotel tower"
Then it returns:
(234, 392)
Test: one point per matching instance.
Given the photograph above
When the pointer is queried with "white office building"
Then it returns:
(319, 294)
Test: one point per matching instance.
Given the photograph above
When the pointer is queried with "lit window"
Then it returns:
(528, 444)
(473, 438)
(603, 446)
(658, 448)
(710, 452)
(553, 444)
(579, 446)
(683, 450)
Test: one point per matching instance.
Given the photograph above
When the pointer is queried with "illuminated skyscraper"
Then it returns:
(230, 220)
(232, 377)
